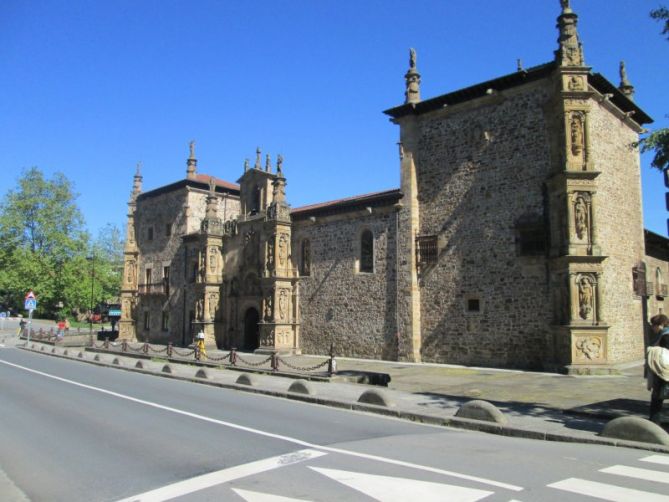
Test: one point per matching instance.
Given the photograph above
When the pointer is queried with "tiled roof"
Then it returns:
(204, 178)
(200, 181)
(348, 203)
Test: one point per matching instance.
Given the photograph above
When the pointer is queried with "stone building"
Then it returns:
(515, 239)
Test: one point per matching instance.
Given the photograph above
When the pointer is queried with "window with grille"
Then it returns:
(531, 240)
(427, 250)
(165, 322)
(147, 320)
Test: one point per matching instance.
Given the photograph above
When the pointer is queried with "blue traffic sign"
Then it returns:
(30, 304)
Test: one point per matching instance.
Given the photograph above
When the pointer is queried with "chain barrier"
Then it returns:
(249, 363)
(307, 368)
(157, 351)
(223, 357)
(184, 354)
(135, 349)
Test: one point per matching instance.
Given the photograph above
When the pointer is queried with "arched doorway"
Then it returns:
(251, 329)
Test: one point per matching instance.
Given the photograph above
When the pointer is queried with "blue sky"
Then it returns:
(90, 88)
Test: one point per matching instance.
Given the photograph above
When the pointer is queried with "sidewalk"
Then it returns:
(537, 405)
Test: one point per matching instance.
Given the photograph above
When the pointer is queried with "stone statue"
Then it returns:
(213, 305)
(283, 249)
(212, 184)
(623, 73)
(585, 297)
(268, 308)
(199, 309)
(581, 218)
(412, 58)
(270, 253)
(191, 147)
(564, 4)
(131, 272)
(283, 304)
(576, 134)
(279, 166)
(213, 259)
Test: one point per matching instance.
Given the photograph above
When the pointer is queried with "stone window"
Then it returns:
(149, 233)
(531, 240)
(168, 229)
(473, 305)
(426, 250)
(166, 280)
(147, 275)
(147, 320)
(165, 321)
(639, 280)
(366, 263)
(305, 257)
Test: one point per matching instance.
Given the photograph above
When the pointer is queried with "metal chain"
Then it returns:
(298, 368)
(183, 354)
(133, 349)
(223, 357)
(157, 351)
(248, 363)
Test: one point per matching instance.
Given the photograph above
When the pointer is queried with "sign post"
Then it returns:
(30, 305)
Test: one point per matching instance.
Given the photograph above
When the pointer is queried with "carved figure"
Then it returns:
(191, 147)
(585, 293)
(213, 305)
(131, 272)
(590, 347)
(581, 218)
(250, 247)
(564, 4)
(575, 83)
(576, 131)
(270, 254)
(199, 309)
(412, 58)
(213, 259)
(283, 249)
(283, 304)
(279, 165)
(268, 308)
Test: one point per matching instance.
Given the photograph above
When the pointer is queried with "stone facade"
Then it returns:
(515, 239)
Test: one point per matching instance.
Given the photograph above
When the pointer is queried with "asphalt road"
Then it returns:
(74, 431)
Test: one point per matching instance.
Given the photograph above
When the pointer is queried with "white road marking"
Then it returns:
(656, 459)
(289, 439)
(606, 492)
(223, 476)
(250, 496)
(390, 489)
(635, 472)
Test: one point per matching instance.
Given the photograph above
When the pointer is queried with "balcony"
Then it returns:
(661, 290)
(156, 288)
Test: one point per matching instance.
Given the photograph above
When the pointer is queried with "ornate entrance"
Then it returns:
(251, 330)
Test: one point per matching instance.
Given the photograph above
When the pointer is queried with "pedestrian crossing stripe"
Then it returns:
(250, 496)
(656, 459)
(606, 491)
(635, 472)
(392, 489)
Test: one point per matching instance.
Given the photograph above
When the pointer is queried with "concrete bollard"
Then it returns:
(481, 410)
(201, 373)
(167, 369)
(377, 397)
(302, 387)
(139, 364)
(247, 379)
(636, 429)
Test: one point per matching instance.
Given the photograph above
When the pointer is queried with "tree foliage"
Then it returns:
(44, 247)
(658, 141)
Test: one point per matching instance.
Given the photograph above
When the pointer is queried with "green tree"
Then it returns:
(108, 252)
(43, 241)
(658, 141)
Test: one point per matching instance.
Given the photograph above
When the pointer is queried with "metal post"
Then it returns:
(170, 348)
(29, 325)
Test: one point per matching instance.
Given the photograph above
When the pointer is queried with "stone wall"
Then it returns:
(355, 311)
(657, 304)
(180, 210)
(618, 223)
(480, 169)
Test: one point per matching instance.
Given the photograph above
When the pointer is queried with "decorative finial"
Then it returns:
(412, 77)
(268, 164)
(279, 166)
(257, 166)
(138, 171)
(212, 184)
(191, 163)
(570, 51)
(519, 65)
(136, 182)
(625, 86)
(246, 165)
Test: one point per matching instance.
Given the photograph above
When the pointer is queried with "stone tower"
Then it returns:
(208, 286)
(129, 286)
(576, 258)
(279, 327)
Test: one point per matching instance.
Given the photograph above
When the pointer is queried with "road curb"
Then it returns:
(427, 419)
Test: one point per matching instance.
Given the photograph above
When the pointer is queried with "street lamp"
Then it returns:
(90, 313)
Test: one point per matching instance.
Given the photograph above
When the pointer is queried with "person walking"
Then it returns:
(657, 359)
